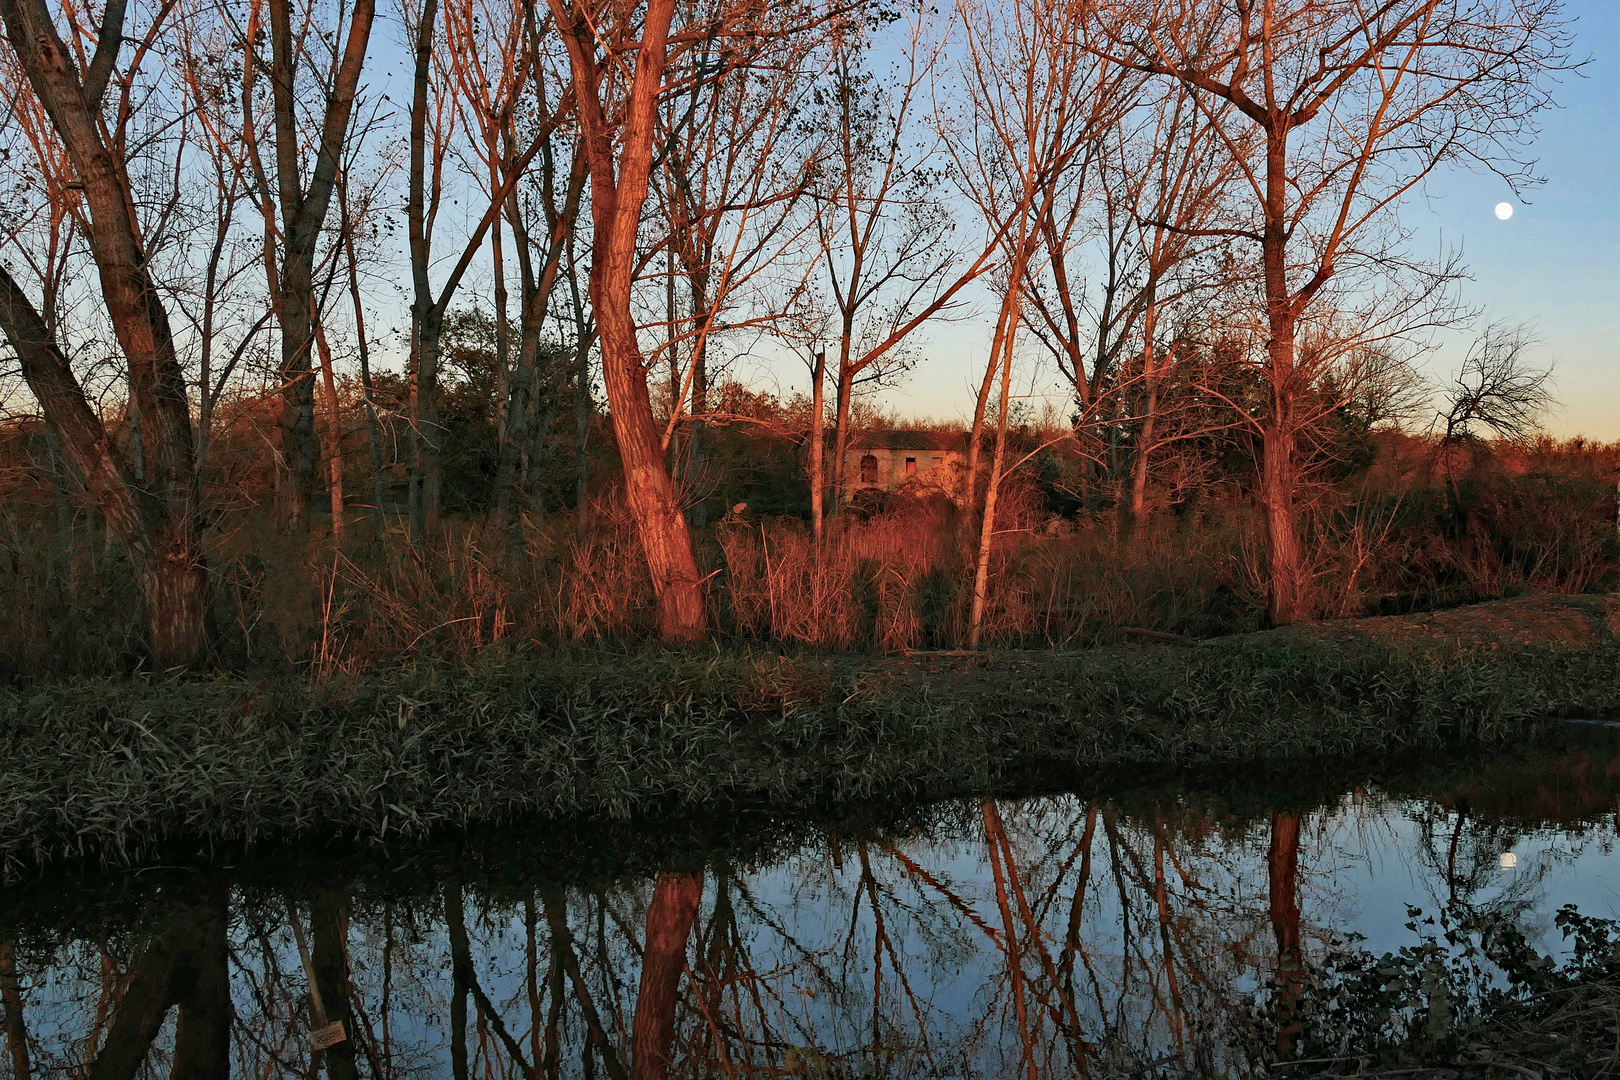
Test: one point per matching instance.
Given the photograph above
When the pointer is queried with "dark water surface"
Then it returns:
(1184, 925)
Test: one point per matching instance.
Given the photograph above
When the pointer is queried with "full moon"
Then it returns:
(1504, 211)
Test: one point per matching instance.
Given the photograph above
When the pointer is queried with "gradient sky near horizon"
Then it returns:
(1553, 267)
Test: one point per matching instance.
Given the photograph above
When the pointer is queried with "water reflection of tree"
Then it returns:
(1463, 853)
(1053, 937)
(181, 967)
(1149, 936)
(613, 981)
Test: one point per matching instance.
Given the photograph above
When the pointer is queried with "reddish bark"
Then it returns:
(669, 923)
(1282, 865)
(618, 193)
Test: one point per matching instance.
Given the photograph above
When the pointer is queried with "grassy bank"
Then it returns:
(120, 770)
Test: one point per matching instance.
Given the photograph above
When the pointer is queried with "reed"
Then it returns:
(882, 581)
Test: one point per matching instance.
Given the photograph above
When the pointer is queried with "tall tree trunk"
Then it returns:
(425, 420)
(151, 510)
(1279, 470)
(700, 392)
(524, 434)
(160, 520)
(1279, 480)
(649, 488)
(503, 320)
(429, 307)
(842, 401)
(174, 583)
(970, 481)
(987, 527)
(619, 185)
(1144, 434)
(427, 319)
(818, 441)
(373, 434)
(582, 390)
(334, 433)
(512, 465)
(61, 537)
(303, 215)
(669, 923)
(296, 455)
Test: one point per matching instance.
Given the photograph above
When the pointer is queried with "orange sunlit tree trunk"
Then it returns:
(618, 145)
(1035, 105)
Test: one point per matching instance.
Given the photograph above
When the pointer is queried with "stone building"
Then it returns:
(921, 462)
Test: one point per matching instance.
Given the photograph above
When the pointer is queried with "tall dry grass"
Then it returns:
(881, 581)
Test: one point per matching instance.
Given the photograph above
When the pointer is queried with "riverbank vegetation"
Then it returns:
(116, 771)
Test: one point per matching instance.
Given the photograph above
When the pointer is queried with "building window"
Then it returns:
(869, 469)
(911, 466)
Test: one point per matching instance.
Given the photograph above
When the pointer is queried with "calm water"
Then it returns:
(1140, 929)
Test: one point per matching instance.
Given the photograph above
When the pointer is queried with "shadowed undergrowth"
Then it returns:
(116, 771)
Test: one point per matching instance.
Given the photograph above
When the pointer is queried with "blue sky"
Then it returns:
(1554, 266)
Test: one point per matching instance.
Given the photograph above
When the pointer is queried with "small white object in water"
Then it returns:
(1509, 860)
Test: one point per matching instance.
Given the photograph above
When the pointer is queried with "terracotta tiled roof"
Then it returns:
(910, 440)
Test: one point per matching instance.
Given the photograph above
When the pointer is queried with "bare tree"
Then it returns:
(883, 229)
(1031, 97)
(433, 127)
(1122, 253)
(356, 205)
(511, 97)
(224, 303)
(1352, 105)
(1497, 388)
(149, 497)
(733, 163)
(617, 105)
(618, 146)
(300, 209)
